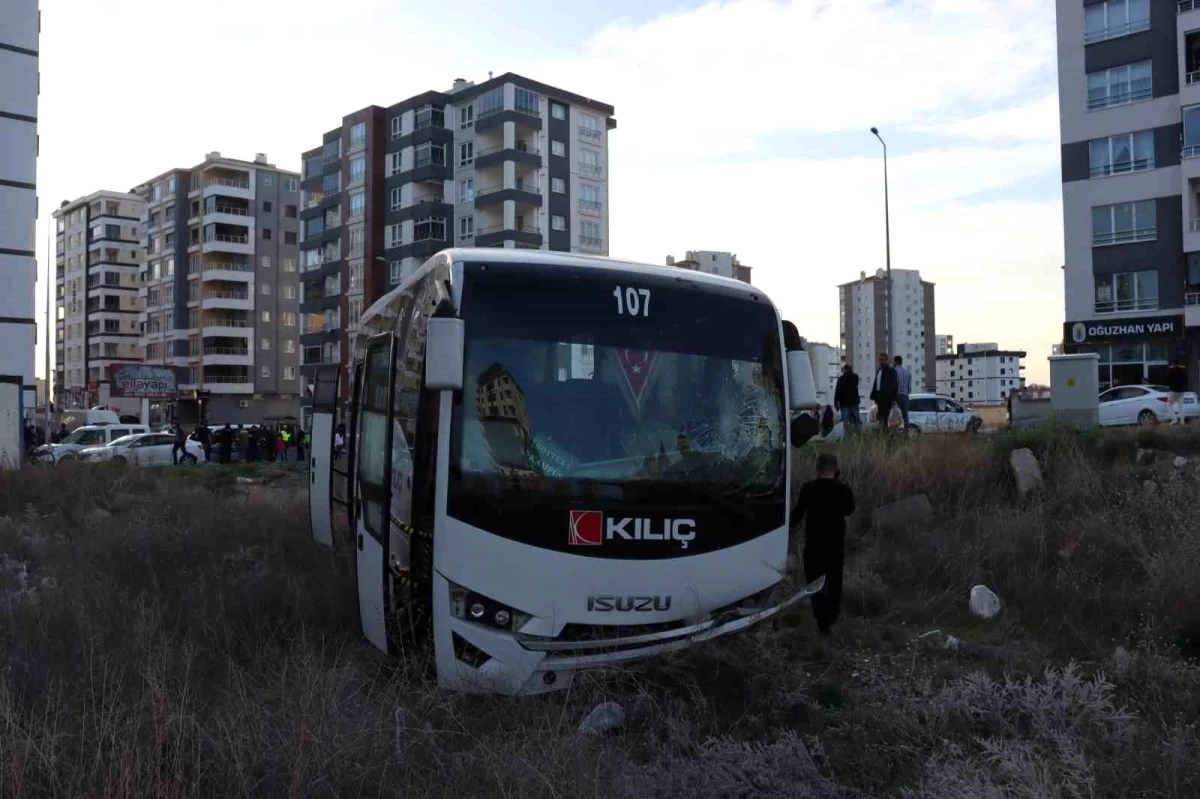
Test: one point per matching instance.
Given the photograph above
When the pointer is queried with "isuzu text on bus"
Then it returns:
(559, 462)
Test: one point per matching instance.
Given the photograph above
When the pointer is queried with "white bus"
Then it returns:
(560, 462)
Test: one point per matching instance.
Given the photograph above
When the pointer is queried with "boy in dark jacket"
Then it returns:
(824, 505)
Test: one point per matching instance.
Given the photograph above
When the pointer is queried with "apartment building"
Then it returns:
(980, 374)
(864, 306)
(98, 265)
(943, 345)
(508, 162)
(20, 25)
(1129, 112)
(221, 287)
(712, 262)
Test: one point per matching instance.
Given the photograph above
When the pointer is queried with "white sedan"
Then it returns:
(1142, 405)
(143, 449)
(933, 413)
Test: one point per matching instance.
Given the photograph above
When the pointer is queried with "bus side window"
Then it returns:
(373, 422)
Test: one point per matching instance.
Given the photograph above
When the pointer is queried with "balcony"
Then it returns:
(591, 170)
(523, 194)
(227, 215)
(1191, 306)
(591, 243)
(591, 134)
(228, 356)
(230, 300)
(228, 187)
(1124, 236)
(498, 154)
(227, 326)
(591, 207)
(1121, 94)
(228, 242)
(1124, 306)
(227, 270)
(1183, 6)
(1117, 30)
(229, 384)
(495, 235)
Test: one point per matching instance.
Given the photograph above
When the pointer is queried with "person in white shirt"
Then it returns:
(903, 388)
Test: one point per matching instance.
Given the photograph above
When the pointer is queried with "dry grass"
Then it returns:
(169, 634)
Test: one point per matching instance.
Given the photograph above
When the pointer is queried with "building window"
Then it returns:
(558, 185)
(1127, 291)
(1129, 152)
(331, 183)
(288, 319)
(264, 371)
(396, 201)
(395, 235)
(289, 292)
(466, 227)
(394, 271)
(526, 101)
(396, 127)
(289, 237)
(358, 204)
(1115, 18)
(466, 190)
(358, 134)
(266, 180)
(356, 271)
(1124, 84)
(292, 185)
(358, 169)
(289, 373)
(289, 346)
(558, 148)
(266, 316)
(356, 241)
(266, 234)
(466, 153)
(558, 110)
(289, 211)
(266, 343)
(1124, 222)
(557, 222)
(267, 206)
(429, 228)
(266, 289)
(466, 117)
(430, 155)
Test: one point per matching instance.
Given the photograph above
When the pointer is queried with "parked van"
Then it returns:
(78, 417)
(91, 435)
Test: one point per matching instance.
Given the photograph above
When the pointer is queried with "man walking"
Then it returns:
(824, 504)
(180, 445)
(1176, 387)
(883, 391)
(903, 388)
(226, 443)
(846, 399)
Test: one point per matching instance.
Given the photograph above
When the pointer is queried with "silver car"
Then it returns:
(143, 449)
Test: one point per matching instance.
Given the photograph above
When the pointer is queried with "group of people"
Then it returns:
(890, 390)
(252, 442)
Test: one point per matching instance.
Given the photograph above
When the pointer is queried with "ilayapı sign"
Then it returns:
(144, 381)
(1115, 329)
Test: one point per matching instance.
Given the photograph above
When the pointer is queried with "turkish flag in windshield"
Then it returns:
(636, 366)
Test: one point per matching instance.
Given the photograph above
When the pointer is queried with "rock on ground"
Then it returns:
(605, 717)
(1180, 462)
(1150, 487)
(910, 510)
(1145, 457)
(984, 602)
(1026, 470)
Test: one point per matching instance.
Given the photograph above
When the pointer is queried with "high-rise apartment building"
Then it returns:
(712, 262)
(1129, 113)
(943, 345)
(221, 286)
(20, 24)
(863, 309)
(980, 374)
(509, 162)
(98, 266)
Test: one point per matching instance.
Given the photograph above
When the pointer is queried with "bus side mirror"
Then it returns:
(802, 392)
(444, 354)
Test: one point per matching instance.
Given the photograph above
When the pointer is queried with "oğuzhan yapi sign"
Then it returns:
(1117, 329)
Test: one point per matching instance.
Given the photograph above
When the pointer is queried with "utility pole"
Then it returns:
(51, 277)
(887, 238)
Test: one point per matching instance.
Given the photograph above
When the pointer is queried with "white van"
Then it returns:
(91, 435)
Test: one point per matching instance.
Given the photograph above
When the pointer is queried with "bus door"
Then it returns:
(373, 479)
(321, 423)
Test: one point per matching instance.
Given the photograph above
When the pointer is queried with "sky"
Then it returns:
(743, 126)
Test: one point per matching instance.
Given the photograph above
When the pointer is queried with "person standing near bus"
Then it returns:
(846, 398)
(903, 388)
(824, 504)
(883, 391)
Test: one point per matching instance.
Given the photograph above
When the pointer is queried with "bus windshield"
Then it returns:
(579, 396)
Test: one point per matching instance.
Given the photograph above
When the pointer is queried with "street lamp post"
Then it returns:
(887, 238)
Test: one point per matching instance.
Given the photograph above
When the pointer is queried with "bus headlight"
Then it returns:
(475, 607)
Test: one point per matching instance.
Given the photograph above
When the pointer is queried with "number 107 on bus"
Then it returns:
(631, 301)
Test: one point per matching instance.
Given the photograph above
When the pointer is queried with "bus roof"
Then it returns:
(551, 258)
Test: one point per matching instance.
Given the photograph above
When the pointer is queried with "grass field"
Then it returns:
(175, 633)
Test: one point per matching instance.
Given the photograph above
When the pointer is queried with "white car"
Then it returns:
(1142, 405)
(143, 449)
(933, 413)
(92, 435)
